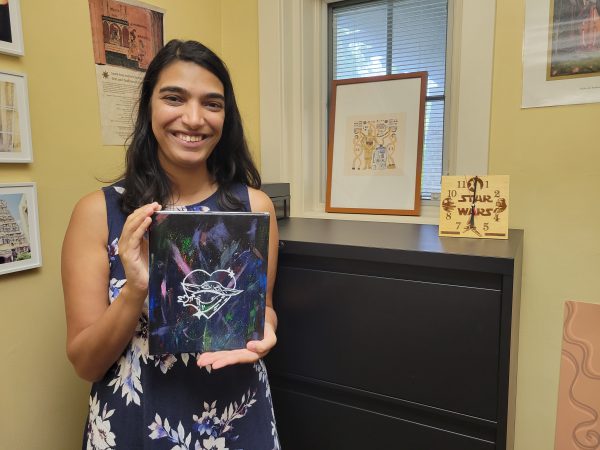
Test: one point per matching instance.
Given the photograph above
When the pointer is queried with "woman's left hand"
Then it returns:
(253, 352)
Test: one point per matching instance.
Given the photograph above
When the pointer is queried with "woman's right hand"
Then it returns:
(133, 247)
(98, 331)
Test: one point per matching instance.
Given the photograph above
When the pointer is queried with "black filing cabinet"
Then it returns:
(393, 338)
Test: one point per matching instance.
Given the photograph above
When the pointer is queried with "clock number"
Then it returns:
(452, 193)
(448, 216)
(496, 194)
(486, 184)
(458, 225)
(462, 184)
(486, 226)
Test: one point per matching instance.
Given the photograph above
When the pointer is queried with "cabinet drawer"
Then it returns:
(305, 422)
(429, 343)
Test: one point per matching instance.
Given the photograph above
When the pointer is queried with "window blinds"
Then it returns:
(383, 37)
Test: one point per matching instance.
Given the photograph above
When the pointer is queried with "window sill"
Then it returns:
(429, 216)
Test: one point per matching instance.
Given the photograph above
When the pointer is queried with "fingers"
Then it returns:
(253, 352)
(132, 249)
(139, 232)
(265, 345)
(259, 347)
(136, 225)
(138, 221)
(225, 358)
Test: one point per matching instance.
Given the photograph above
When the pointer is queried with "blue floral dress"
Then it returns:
(168, 402)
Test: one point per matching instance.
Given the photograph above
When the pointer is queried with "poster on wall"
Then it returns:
(11, 35)
(19, 234)
(15, 131)
(561, 52)
(126, 35)
(376, 144)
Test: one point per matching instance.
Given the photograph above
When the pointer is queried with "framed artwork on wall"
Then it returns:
(561, 53)
(15, 130)
(19, 228)
(11, 35)
(376, 144)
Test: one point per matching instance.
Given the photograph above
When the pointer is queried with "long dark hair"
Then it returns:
(145, 181)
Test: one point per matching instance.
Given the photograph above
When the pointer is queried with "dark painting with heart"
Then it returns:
(208, 279)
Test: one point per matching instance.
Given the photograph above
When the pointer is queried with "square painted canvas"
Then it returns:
(208, 279)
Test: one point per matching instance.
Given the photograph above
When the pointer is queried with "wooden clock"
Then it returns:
(474, 206)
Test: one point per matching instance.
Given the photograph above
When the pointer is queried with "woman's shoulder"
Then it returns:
(89, 217)
(92, 204)
(97, 205)
(96, 201)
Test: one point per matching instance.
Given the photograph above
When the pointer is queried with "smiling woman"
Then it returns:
(188, 152)
(188, 111)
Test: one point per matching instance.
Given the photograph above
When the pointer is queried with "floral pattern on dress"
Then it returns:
(128, 376)
(114, 288)
(98, 429)
(128, 369)
(113, 250)
(218, 429)
(275, 436)
(260, 368)
(128, 372)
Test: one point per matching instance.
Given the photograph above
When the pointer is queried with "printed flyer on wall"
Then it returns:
(126, 36)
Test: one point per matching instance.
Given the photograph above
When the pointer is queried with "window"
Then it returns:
(383, 37)
(293, 65)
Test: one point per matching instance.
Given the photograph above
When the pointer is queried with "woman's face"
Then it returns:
(187, 113)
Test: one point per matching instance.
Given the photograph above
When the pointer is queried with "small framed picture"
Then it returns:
(376, 144)
(11, 35)
(19, 228)
(15, 130)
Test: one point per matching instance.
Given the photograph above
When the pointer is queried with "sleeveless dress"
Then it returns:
(168, 402)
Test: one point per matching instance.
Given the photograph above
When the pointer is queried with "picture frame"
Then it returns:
(561, 44)
(15, 128)
(19, 236)
(375, 146)
(11, 33)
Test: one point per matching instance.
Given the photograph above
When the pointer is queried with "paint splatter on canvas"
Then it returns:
(208, 278)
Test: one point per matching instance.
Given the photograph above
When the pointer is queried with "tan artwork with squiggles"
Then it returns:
(578, 413)
(375, 145)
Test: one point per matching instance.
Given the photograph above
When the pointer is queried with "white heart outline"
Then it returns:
(222, 294)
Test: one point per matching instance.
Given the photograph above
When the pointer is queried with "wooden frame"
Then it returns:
(15, 129)
(11, 34)
(376, 144)
(19, 236)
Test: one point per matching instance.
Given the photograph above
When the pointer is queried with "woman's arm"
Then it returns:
(259, 202)
(98, 332)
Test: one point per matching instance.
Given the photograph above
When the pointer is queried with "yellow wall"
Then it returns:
(239, 49)
(552, 157)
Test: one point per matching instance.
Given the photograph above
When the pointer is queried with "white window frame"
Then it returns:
(293, 104)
